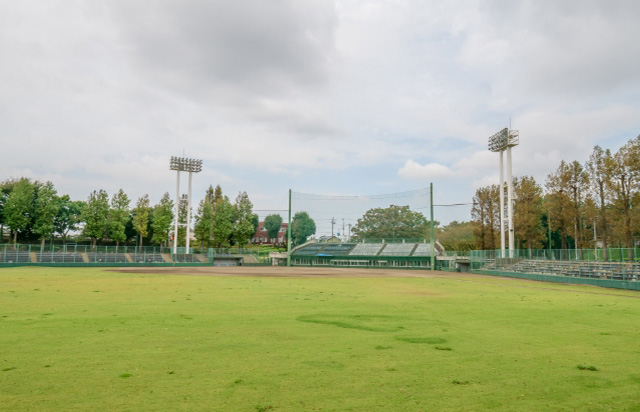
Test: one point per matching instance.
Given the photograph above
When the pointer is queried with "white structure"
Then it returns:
(505, 139)
(181, 164)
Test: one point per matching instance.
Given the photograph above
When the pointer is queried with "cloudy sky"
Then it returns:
(330, 97)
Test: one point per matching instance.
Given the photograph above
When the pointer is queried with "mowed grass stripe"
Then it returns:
(86, 339)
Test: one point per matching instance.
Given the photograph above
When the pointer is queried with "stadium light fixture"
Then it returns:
(505, 139)
(183, 164)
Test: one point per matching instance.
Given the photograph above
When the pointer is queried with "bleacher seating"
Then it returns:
(97, 257)
(582, 269)
(309, 250)
(398, 249)
(11, 256)
(184, 258)
(339, 249)
(147, 257)
(366, 249)
(423, 249)
(59, 257)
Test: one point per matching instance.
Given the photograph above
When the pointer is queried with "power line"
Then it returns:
(447, 205)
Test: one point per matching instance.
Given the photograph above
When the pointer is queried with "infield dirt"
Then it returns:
(281, 271)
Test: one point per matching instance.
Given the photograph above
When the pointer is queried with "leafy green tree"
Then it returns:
(6, 187)
(623, 183)
(599, 169)
(217, 197)
(485, 215)
(203, 227)
(141, 218)
(393, 222)
(578, 186)
(243, 213)
(68, 216)
(302, 226)
(183, 205)
(19, 207)
(95, 216)
(119, 216)
(223, 221)
(255, 221)
(527, 212)
(273, 223)
(457, 236)
(45, 211)
(558, 201)
(161, 220)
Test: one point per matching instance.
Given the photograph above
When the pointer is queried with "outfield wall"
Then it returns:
(605, 283)
(110, 256)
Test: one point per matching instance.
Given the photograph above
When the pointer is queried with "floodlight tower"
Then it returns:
(182, 164)
(505, 139)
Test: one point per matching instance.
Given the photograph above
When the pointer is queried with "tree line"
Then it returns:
(31, 210)
(581, 204)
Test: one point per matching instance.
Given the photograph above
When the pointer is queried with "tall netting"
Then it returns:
(390, 218)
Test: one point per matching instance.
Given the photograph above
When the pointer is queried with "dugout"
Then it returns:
(227, 261)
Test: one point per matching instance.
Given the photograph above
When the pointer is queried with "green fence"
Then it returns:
(605, 283)
(85, 255)
(589, 255)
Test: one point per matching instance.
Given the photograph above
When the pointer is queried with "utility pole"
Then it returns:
(432, 236)
(289, 233)
(333, 222)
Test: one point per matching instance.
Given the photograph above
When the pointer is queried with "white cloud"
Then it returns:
(318, 94)
(431, 171)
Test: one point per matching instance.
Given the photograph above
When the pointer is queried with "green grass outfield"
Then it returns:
(85, 339)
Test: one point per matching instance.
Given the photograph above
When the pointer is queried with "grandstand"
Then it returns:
(367, 249)
(402, 255)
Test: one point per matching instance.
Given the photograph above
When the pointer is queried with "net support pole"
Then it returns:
(175, 227)
(289, 233)
(188, 240)
(433, 239)
(510, 204)
(501, 198)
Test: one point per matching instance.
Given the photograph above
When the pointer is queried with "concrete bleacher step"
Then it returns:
(250, 259)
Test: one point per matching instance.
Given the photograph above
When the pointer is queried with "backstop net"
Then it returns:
(401, 217)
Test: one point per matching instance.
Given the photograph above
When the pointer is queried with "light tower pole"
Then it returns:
(505, 139)
(182, 164)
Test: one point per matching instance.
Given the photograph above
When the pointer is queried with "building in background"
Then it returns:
(262, 238)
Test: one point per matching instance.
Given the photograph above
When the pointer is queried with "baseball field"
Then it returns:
(303, 339)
